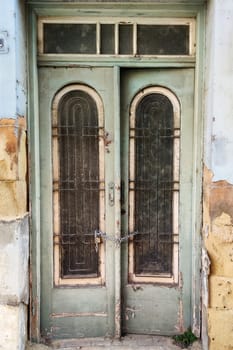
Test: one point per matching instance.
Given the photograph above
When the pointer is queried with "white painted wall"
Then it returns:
(7, 61)
(219, 90)
(13, 323)
(14, 245)
(12, 64)
(21, 77)
(14, 283)
(14, 234)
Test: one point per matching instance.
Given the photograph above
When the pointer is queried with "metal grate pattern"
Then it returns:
(153, 185)
(78, 184)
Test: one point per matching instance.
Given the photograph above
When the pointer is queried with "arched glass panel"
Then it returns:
(154, 158)
(78, 182)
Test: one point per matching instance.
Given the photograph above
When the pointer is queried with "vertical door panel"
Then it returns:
(78, 185)
(76, 296)
(156, 127)
(81, 287)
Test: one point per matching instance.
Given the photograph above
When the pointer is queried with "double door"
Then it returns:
(116, 196)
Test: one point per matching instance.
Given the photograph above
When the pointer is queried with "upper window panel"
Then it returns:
(163, 39)
(70, 38)
(101, 37)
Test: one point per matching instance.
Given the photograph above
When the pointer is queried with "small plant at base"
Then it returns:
(185, 339)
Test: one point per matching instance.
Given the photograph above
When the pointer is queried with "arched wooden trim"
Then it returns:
(82, 280)
(159, 278)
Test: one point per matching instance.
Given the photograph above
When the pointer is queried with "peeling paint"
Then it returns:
(78, 314)
(205, 276)
(12, 149)
(221, 199)
(205, 297)
(217, 289)
(217, 216)
(181, 280)
(180, 321)
(136, 287)
(130, 312)
(107, 141)
(34, 317)
(222, 226)
(13, 167)
(118, 318)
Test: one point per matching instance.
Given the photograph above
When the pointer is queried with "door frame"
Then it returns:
(179, 9)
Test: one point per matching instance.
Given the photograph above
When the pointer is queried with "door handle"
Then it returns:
(111, 194)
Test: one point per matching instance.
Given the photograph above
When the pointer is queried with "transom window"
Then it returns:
(148, 37)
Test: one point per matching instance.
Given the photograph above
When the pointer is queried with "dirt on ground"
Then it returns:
(126, 343)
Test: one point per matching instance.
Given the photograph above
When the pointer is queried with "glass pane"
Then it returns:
(69, 38)
(163, 39)
(107, 41)
(153, 185)
(78, 183)
(125, 39)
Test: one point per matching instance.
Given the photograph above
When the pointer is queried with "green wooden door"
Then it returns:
(141, 284)
(77, 158)
(157, 142)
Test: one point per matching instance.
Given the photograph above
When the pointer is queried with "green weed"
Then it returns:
(185, 339)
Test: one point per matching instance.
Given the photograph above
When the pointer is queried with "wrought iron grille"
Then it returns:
(153, 185)
(79, 184)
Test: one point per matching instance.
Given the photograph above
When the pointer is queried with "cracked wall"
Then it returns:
(218, 174)
(14, 234)
(14, 226)
(218, 239)
(13, 187)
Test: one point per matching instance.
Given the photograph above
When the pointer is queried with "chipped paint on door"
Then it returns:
(72, 307)
(160, 306)
(78, 185)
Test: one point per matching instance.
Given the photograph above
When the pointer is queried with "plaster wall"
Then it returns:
(14, 233)
(8, 60)
(13, 62)
(218, 173)
(13, 321)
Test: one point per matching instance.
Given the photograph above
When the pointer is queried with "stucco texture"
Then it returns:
(13, 168)
(218, 237)
(218, 174)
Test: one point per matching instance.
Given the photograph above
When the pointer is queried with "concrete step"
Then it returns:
(131, 342)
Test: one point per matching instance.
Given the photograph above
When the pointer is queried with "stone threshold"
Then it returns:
(130, 342)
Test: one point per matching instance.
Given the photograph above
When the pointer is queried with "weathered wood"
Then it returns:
(153, 186)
